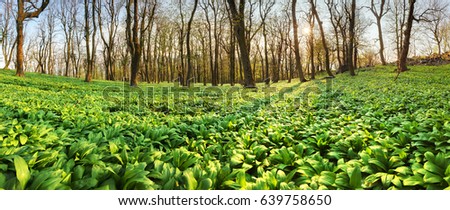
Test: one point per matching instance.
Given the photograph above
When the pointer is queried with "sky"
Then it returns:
(418, 46)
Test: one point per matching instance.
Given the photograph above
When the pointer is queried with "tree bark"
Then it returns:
(298, 64)
(351, 44)
(133, 40)
(23, 15)
(324, 39)
(239, 22)
(188, 46)
(311, 46)
(378, 16)
(402, 63)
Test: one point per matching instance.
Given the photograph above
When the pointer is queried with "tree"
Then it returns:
(351, 44)
(7, 37)
(298, 64)
(435, 22)
(264, 10)
(108, 19)
(67, 15)
(336, 19)
(26, 10)
(188, 46)
(232, 50)
(311, 46)
(379, 13)
(90, 47)
(407, 37)
(135, 30)
(239, 22)
(323, 37)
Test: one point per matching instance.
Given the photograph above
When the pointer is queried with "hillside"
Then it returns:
(363, 132)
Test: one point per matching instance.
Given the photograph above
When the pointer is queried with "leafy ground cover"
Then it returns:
(365, 132)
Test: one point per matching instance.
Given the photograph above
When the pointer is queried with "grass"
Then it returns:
(363, 132)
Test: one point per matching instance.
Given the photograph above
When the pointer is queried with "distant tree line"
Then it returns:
(214, 41)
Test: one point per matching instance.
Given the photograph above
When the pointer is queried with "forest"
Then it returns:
(225, 95)
(200, 41)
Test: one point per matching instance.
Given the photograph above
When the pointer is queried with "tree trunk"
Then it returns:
(239, 21)
(133, 41)
(188, 47)
(311, 47)
(87, 32)
(324, 39)
(20, 40)
(380, 37)
(379, 13)
(402, 63)
(232, 56)
(23, 15)
(298, 64)
(351, 44)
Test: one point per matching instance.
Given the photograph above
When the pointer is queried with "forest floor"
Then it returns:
(363, 132)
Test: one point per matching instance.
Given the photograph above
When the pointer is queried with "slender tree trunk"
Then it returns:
(239, 21)
(232, 56)
(188, 47)
(20, 40)
(133, 41)
(88, 42)
(381, 40)
(351, 45)
(298, 63)
(324, 39)
(22, 15)
(402, 64)
(311, 47)
(379, 13)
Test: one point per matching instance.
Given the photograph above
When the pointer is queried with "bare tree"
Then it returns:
(8, 35)
(311, 47)
(89, 15)
(352, 37)
(51, 32)
(379, 12)
(265, 7)
(44, 45)
(336, 19)
(323, 37)
(26, 10)
(108, 19)
(298, 64)
(136, 26)
(188, 46)
(435, 21)
(406, 41)
(232, 49)
(238, 15)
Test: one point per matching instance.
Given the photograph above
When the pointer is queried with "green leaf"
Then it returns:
(431, 178)
(403, 170)
(237, 159)
(22, 171)
(433, 168)
(189, 180)
(23, 139)
(205, 184)
(78, 172)
(327, 178)
(397, 182)
(2, 181)
(113, 148)
(413, 181)
(356, 178)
